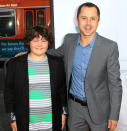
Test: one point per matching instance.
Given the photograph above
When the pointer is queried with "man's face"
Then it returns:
(88, 20)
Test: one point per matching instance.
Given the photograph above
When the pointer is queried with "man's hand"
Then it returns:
(63, 121)
(14, 126)
(19, 54)
(112, 124)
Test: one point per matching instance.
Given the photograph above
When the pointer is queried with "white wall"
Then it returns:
(113, 22)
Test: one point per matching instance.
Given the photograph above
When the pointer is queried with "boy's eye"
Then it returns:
(35, 41)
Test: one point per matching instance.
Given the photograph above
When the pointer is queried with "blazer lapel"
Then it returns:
(93, 57)
(71, 55)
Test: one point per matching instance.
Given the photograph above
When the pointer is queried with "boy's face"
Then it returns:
(38, 46)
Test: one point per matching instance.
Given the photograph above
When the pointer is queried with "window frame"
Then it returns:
(14, 22)
(25, 12)
(35, 16)
(42, 10)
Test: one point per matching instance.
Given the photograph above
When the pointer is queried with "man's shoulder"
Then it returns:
(54, 58)
(105, 40)
(72, 35)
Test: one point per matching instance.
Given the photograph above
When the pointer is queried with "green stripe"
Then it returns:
(40, 97)
(39, 71)
(39, 94)
(40, 68)
(40, 118)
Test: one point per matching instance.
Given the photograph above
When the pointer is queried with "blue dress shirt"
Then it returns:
(79, 67)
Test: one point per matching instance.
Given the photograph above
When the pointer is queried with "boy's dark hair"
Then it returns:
(88, 4)
(35, 32)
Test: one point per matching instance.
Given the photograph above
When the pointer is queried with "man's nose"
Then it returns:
(88, 21)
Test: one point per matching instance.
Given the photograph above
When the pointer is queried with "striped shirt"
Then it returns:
(40, 105)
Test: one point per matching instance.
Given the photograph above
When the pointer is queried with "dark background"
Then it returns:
(4, 124)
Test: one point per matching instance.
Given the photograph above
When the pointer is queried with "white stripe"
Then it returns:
(39, 78)
(40, 102)
(40, 125)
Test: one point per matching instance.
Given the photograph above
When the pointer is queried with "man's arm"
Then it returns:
(115, 87)
(59, 52)
(56, 52)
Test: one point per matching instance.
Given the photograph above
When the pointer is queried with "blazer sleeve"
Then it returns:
(9, 98)
(114, 82)
(59, 52)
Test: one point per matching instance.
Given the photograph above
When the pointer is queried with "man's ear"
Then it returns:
(76, 20)
(99, 20)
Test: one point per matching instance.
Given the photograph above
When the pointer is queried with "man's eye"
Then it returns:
(83, 18)
(93, 19)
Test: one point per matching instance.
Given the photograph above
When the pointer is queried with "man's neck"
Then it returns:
(85, 40)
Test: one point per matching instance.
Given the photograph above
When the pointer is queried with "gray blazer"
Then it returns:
(102, 82)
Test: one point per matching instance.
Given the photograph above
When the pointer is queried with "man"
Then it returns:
(92, 74)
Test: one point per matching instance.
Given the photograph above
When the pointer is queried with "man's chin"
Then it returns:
(88, 34)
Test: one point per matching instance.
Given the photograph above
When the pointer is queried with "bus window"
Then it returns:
(34, 17)
(7, 23)
(29, 19)
(40, 17)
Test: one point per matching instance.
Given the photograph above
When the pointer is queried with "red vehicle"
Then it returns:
(17, 16)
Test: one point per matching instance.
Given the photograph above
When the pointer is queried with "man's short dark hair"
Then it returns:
(88, 4)
(36, 32)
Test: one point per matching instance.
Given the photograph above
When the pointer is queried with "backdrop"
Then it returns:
(113, 24)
